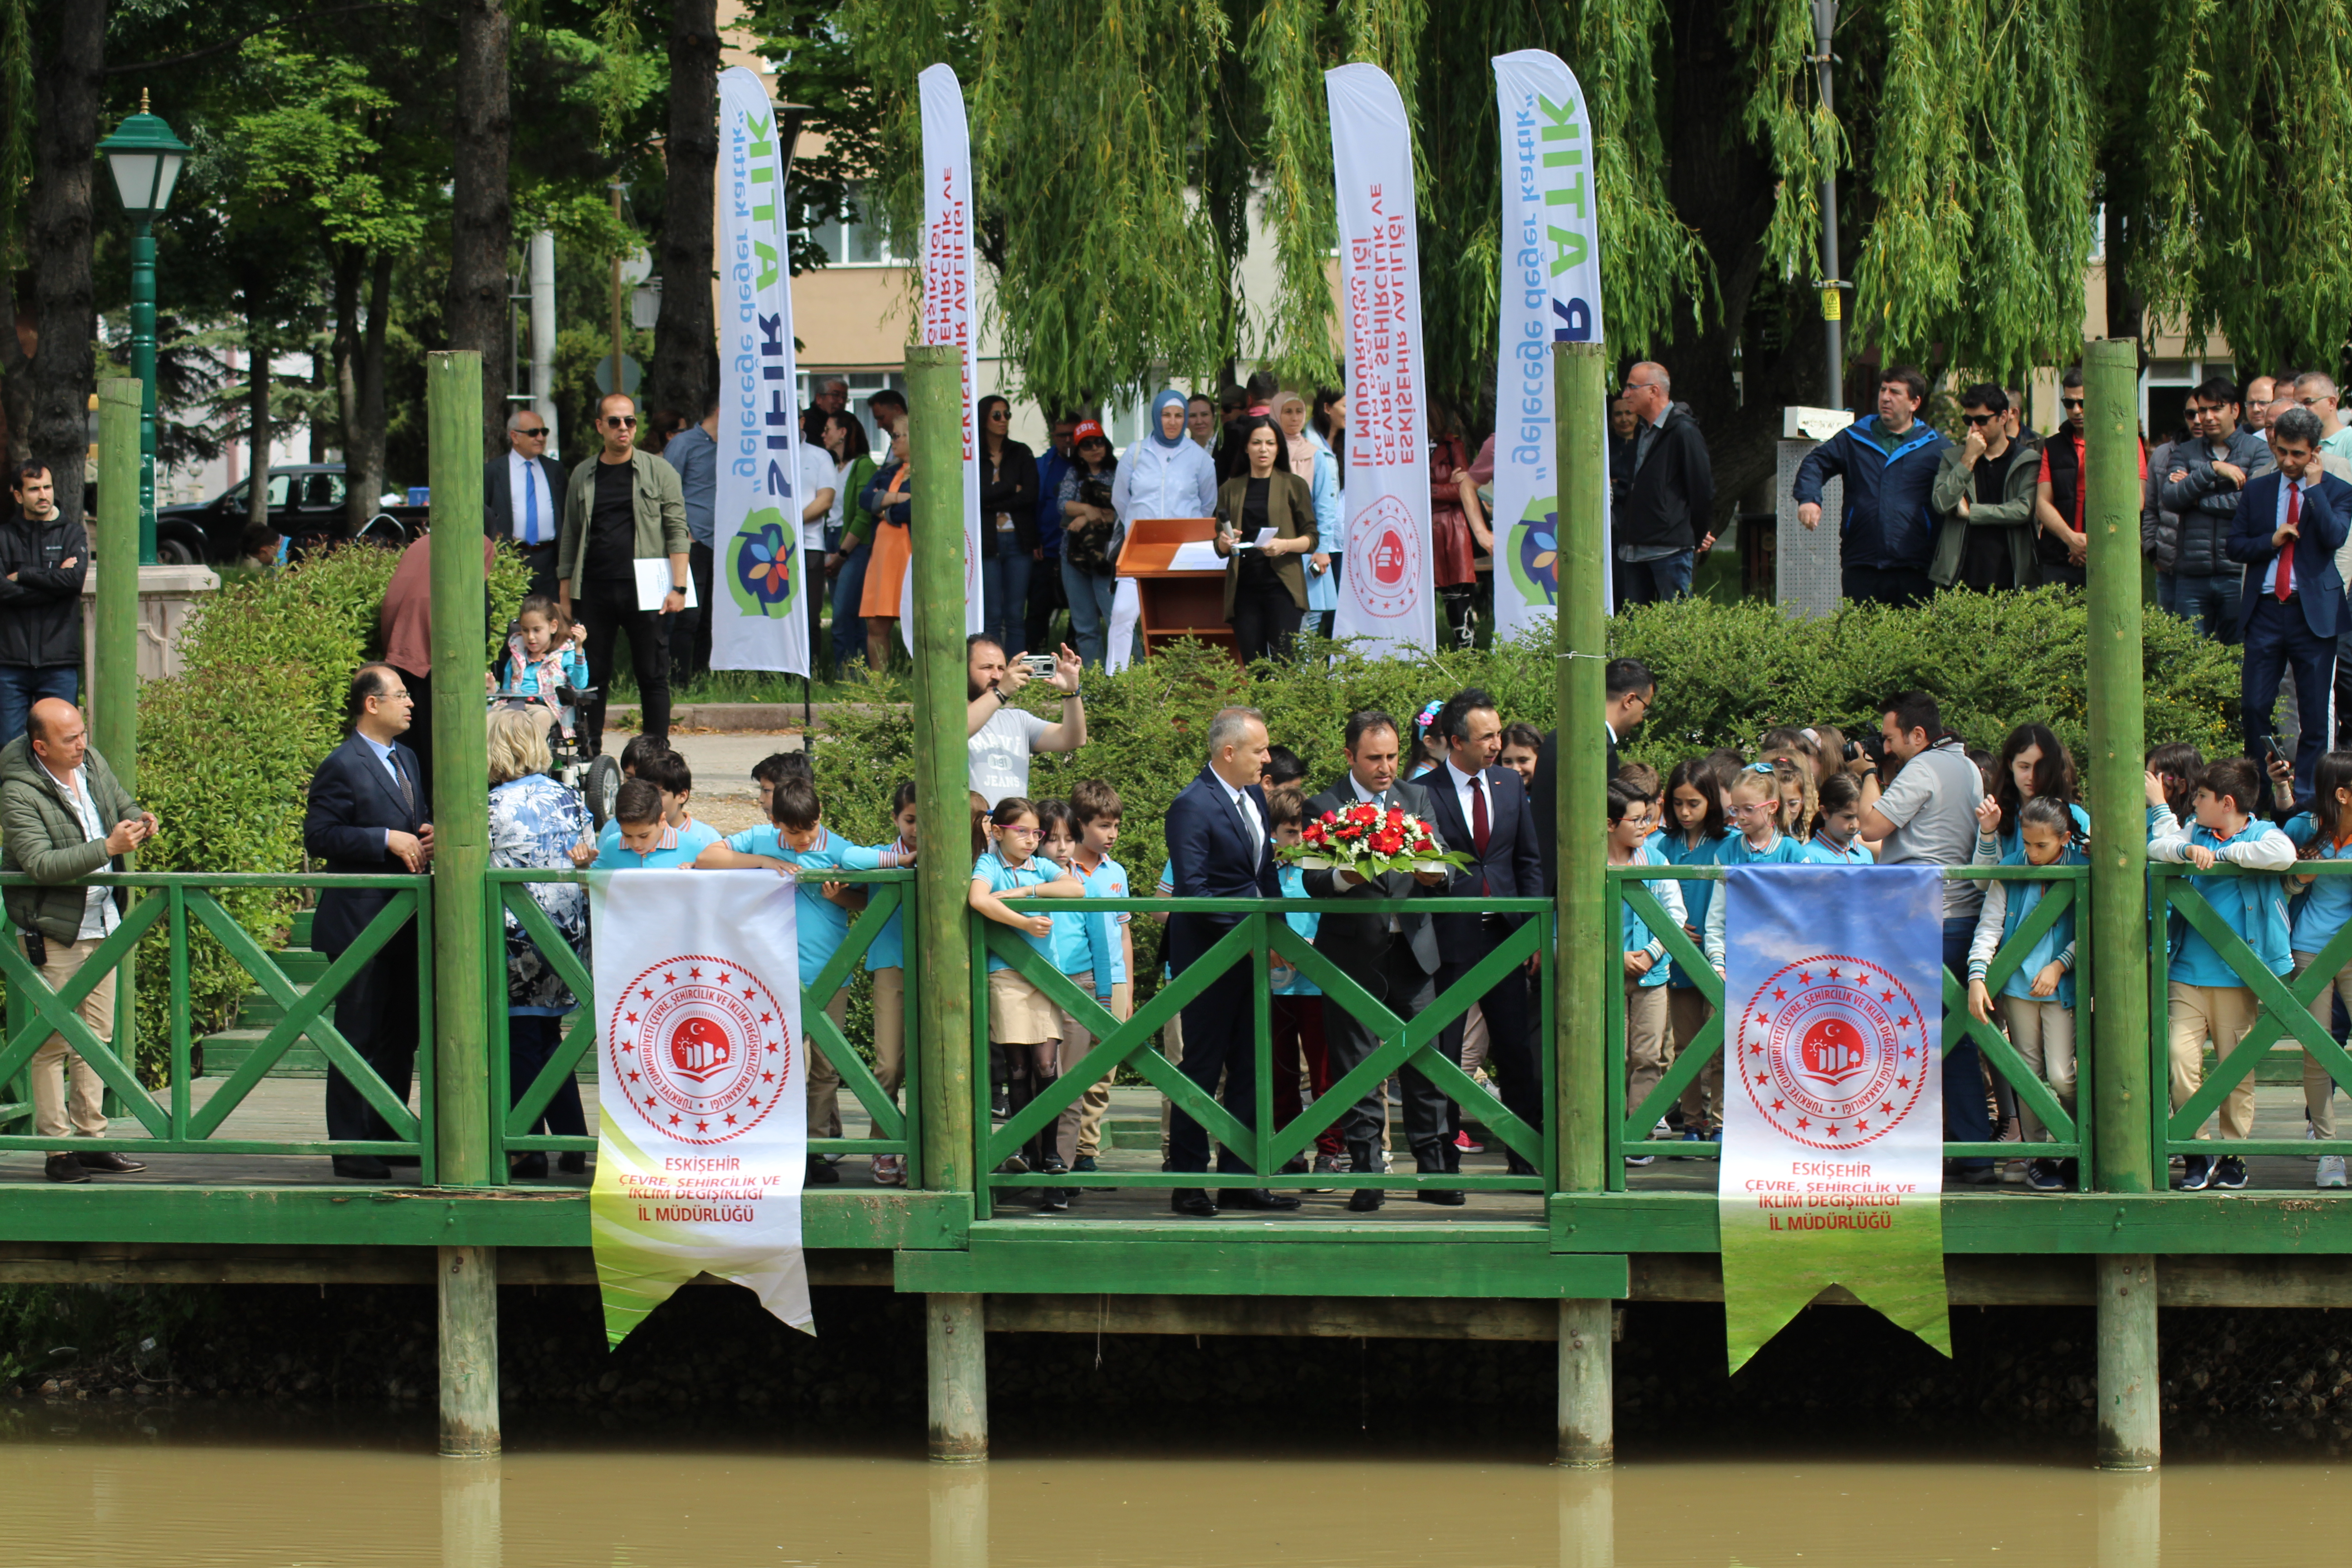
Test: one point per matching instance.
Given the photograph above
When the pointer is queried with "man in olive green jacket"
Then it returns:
(1985, 539)
(65, 817)
(620, 507)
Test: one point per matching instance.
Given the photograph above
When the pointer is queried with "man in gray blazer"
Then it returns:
(522, 497)
(1392, 956)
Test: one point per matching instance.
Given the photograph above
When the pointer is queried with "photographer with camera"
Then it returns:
(1089, 570)
(1002, 738)
(57, 798)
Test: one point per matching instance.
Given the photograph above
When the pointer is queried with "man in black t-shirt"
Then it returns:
(1983, 498)
(620, 506)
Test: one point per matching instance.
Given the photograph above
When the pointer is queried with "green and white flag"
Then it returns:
(1834, 1096)
(702, 1104)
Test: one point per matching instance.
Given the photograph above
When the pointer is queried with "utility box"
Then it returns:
(1806, 561)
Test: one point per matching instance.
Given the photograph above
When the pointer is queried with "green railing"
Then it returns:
(1259, 934)
(2285, 1010)
(508, 891)
(183, 903)
(1631, 1126)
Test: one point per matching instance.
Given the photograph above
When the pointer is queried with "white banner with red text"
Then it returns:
(1386, 597)
(702, 1090)
(758, 601)
(951, 307)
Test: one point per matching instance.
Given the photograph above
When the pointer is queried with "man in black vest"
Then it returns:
(2062, 540)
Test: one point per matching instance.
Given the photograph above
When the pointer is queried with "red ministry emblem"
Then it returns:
(1832, 1052)
(1384, 538)
(701, 1048)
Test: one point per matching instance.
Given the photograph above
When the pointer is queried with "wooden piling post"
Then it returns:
(467, 1276)
(114, 682)
(1580, 647)
(958, 1359)
(2124, 1096)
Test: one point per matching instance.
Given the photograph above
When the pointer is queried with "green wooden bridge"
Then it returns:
(234, 1197)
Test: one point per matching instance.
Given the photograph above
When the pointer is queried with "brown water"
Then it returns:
(126, 1500)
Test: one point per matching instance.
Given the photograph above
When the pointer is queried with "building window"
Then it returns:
(857, 242)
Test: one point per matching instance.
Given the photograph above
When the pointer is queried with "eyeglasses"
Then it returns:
(531, 430)
(2070, 403)
(1979, 418)
(1000, 414)
(621, 421)
(1017, 831)
(2311, 401)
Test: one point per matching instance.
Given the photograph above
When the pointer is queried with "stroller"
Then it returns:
(596, 780)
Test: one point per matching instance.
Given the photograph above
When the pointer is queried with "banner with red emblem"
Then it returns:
(1385, 594)
(1834, 1097)
(702, 1098)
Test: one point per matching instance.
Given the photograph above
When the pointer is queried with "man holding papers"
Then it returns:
(623, 511)
(1265, 522)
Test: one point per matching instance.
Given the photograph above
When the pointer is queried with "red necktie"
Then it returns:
(2286, 557)
(1478, 815)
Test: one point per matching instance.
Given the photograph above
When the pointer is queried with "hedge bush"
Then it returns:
(1725, 674)
(227, 746)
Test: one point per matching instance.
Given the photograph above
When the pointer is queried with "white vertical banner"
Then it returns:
(759, 607)
(1386, 597)
(950, 316)
(1550, 292)
(702, 1103)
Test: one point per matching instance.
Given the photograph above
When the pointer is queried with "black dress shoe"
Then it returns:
(1364, 1200)
(361, 1167)
(1191, 1201)
(820, 1174)
(109, 1162)
(1518, 1166)
(1449, 1197)
(1053, 1200)
(571, 1162)
(63, 1168)
(1254, 1198)
(529, 1167)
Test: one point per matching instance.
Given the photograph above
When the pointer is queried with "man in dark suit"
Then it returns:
(369, 814)
(1219, 847)
(2290, 523)
(1483, 810)
(1632, 689)
(522, 497)
(1392, 956)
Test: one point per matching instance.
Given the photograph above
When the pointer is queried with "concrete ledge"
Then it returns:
(747, 718)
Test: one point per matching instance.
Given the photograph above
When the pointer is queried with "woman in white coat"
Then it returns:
(1160, 475)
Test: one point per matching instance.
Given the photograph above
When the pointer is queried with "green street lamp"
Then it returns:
(146, 159)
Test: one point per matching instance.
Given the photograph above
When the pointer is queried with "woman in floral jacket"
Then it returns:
(535, 824)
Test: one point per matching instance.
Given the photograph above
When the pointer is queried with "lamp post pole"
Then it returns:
(142, 365)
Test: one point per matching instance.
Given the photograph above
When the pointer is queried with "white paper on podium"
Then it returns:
(654, 584)
(1197, 555)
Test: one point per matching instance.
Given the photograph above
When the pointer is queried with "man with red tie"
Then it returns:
(2289, 526)
(1483, 809)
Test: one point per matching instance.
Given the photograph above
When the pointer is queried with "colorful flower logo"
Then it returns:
(1535, 554)
(765, 579)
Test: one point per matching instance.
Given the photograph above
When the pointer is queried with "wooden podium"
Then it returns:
(1175, 603)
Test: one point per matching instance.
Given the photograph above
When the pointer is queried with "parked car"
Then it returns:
(306, 507)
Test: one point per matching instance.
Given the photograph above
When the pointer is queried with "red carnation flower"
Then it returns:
(1388, 843)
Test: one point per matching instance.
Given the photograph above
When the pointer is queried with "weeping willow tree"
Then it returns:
(1117, 145)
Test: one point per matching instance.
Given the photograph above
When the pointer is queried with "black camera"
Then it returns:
(37, 948)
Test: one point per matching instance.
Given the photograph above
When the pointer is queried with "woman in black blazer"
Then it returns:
(1266, 587)
(1008, 526)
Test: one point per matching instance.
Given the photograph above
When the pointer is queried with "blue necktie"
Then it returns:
(531, 503)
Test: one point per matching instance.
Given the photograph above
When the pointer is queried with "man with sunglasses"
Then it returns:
(2200, 487)
(1984, 494)
(2061, 542)
(522, 497)
(622, 505)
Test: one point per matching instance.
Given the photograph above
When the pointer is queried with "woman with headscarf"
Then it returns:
(1312, 460)
(1161, 474)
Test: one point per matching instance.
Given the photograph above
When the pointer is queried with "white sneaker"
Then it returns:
(2331, 1171)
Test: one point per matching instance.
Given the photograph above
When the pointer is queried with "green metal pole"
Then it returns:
(1579, 646)
(125, 494)
(461, 856)
(955, 1343)
(2122, 1079)
(142, 365)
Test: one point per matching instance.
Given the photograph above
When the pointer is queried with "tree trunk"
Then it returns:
(685, 334)
(364, 453)
(481, 208)
(16, 374)
(351, 265)
(64, 370)
(257, 418)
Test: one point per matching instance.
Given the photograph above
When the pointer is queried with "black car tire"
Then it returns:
(171, 552)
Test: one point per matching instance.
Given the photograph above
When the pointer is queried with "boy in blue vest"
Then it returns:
(2207, 997)
(797, 841)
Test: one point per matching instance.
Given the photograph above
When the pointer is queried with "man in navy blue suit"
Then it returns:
(1218, 847)
(2289, 526)
(368, 814)
(1483, 811)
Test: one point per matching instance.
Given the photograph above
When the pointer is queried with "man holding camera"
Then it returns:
(57, 798)
(1002, 738)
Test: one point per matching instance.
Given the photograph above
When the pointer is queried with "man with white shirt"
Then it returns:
(1218, 847)
(694, 453)
(820, 482)
(65, 817)
(1483, 811)
(2289, 526)
(1392, 956)
(522, 497)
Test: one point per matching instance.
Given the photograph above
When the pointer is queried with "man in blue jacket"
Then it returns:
(2289, 527)
(1886, 540)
